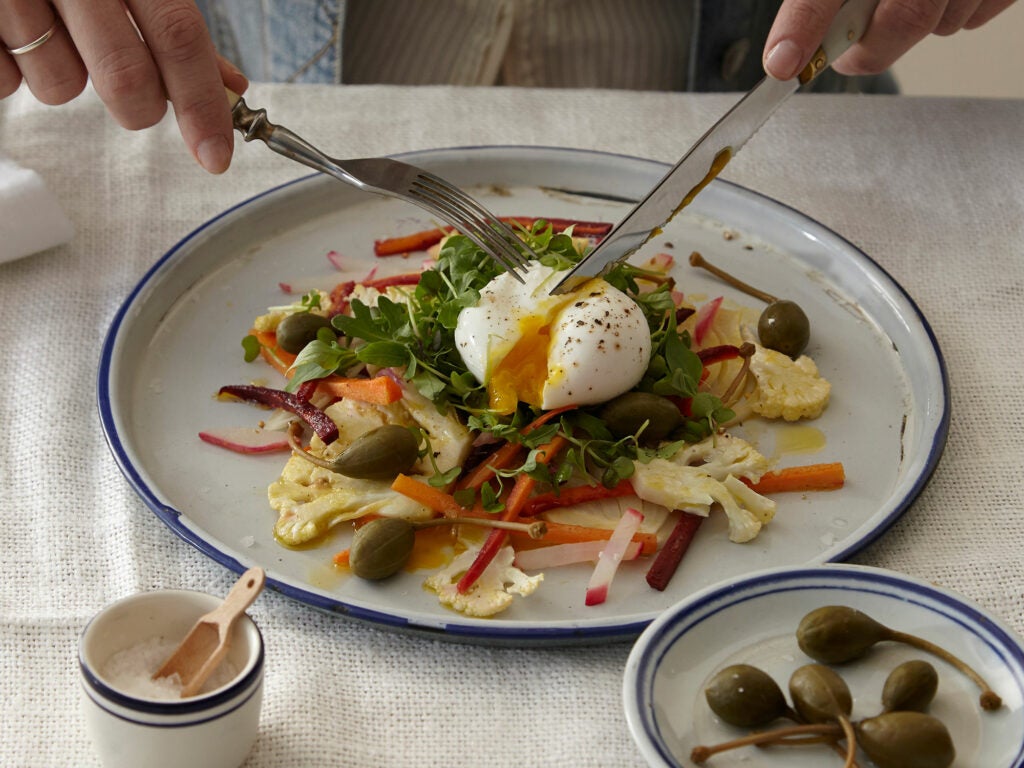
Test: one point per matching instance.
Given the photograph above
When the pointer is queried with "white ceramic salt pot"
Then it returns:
(215, 729)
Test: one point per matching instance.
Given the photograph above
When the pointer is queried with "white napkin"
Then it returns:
(31, 219)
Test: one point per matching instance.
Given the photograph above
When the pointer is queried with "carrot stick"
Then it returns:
(565, 533)
(418, 241)
(430, 497)
(570, 497)
(380, 390)
(280, 360)
(668, 559)
(514, 504)
(341, 558)
(809, 477)
(503, 457)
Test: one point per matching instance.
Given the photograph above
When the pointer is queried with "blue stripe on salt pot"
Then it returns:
(134, 721)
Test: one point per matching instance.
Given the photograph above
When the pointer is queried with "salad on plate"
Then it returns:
(474, 427)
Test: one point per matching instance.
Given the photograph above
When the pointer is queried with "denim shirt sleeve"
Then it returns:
(281, 41)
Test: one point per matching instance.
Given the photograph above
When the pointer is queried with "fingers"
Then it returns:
(138, 53)
(53, 70)
(799, 28)
(181, 47)
(896, 26)
(123, 71)
(987, 11)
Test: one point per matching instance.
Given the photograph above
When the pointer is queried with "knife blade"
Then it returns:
(706, 159)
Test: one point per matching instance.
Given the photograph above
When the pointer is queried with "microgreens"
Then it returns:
(414, 332)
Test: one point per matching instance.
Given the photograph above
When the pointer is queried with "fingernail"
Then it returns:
(783, 60)
(214, 154)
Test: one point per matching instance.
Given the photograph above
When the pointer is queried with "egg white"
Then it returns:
(579, 348)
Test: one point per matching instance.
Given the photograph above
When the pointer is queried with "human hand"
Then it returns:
(140, 54)
(896, 26)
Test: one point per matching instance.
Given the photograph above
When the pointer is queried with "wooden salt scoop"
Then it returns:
(207, 643)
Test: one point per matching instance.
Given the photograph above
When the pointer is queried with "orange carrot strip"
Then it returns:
(428, 496)
(565, 533)
(380, 390)
(273, 354)
(342, 558)
(809, 477)
(503, 457)
(418, 241)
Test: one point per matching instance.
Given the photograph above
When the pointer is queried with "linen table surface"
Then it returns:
(932, 189)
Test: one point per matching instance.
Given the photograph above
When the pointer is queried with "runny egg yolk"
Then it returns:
(521, 374)
(579, 348)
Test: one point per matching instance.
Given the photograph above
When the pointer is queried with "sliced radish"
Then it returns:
(611, 556)
(246, 439)
(566, 554)
(336, 261)
(705, 317)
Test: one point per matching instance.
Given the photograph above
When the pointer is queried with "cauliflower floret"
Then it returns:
(493, 591)
(724, 455)
(692, 489)
(369, 295)
(787, 388)
(310, 500)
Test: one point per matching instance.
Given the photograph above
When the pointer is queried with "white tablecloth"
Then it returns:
(932, 189)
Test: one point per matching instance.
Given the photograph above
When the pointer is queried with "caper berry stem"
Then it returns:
(535, 530)
(294, 429)
(989, 699)
(697, 260)
(735, 387)
(701, 753)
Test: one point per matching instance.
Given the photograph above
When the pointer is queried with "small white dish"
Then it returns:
(753, 619)
(135, 723)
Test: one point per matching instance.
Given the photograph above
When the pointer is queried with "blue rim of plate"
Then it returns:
(649, 651)
(499, 633)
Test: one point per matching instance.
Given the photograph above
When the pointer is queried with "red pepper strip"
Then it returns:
(514, 504)
(418, 241)
(380, 283)
(421, 241)
(318, 421)
(667, 561)
(339, 297)
(580, 228)
(569, 497)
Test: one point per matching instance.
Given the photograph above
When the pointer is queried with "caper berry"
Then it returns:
(784, 327)
(380, 454)
(910, 687)
(626, 414)
(296, 330)
(820, 695)
(834, 634)
(381, 548)
(745, 696)
(906, 740)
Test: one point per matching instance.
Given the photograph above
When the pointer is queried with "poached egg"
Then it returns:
(578, 348)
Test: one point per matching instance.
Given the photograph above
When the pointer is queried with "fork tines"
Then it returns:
(474, 221)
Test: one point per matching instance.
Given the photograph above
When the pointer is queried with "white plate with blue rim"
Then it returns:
(753, 620)
(175, 342)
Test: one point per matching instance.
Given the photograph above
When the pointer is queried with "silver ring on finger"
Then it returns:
(37, 42)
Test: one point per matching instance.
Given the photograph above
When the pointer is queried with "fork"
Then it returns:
(384, 176)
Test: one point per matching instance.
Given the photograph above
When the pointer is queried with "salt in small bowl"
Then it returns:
(133, 722)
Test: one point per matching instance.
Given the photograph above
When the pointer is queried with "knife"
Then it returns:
(705, 160)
